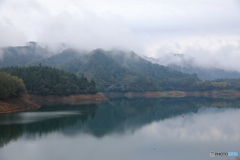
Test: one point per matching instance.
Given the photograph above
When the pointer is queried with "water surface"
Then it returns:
(131, 129)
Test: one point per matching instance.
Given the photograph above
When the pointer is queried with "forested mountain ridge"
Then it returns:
(116, 70)
(44, 80)
(109, 75)
(142, 66)
(206, 73)
(22, 55)
(119, 71)
(185, 64)
(55, 60)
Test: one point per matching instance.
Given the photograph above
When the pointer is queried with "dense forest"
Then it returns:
(125, 72)
(45, 80)
(11, 86)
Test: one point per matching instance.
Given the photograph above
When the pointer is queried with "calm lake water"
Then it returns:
(124, 129)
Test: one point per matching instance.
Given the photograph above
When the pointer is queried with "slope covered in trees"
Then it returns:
(51, 81)
(119, 71)
(21, 55)
(113, 71)
(11, 86)
(109, 75)
(166, 77)
(206, 73)
(55, 60)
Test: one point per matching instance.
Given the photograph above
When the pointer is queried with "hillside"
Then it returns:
(51, 81)
(119, 71)
(186, 64)
(22, 55)
(206, 73)
(114, 70)
(109, 75)
(58, 59)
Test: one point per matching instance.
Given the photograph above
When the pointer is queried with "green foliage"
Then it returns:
(51, 81)
(114, 71)
(11, 86)
(124, 72)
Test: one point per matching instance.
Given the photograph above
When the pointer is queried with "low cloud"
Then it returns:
(206, 31)
(88, 31)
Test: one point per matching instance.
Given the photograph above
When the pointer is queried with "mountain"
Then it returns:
(206, 73)
(58, 59)
(186, 64)
(22, 55)
(120, 71)
(144, 67)
(109, 75)
(112, 70)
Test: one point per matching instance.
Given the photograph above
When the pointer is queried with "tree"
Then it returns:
(11, 86)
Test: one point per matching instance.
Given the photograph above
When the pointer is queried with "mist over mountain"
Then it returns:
(124, 71)
(22, 55)
(113, 70)
(192, 65)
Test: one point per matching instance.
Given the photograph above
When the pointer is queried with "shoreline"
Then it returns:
(13, 105)
(31, 102)
(70, 99)
(176, 94)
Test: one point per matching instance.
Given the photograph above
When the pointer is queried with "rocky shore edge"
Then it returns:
(13, 105)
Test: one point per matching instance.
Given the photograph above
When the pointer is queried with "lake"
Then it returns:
(124, 129)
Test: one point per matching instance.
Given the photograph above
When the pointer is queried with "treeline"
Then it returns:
(51, 81)
(217, 84)
(11, 86)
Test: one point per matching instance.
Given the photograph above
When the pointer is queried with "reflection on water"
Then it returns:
(165, 128)
(30, 117)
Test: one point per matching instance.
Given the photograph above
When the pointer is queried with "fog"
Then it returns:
(205, 31)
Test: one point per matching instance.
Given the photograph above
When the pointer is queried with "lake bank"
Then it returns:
(32, 102)
(12, 105)
(71, 99)
(210, 94)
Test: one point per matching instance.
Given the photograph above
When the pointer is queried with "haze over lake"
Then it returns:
(136, 129)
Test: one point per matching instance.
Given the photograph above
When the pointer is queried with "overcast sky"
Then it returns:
(208, 30)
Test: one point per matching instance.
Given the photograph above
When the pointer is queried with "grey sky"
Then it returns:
(208, 30)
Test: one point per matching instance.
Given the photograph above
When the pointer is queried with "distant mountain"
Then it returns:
(144, 67)
(186, 64)
(22, 55)
(206, 73)
(58, 59)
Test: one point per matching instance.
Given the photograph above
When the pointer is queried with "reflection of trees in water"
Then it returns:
(13, 131)
(112, 116)
(9, 133)
(55, 124)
